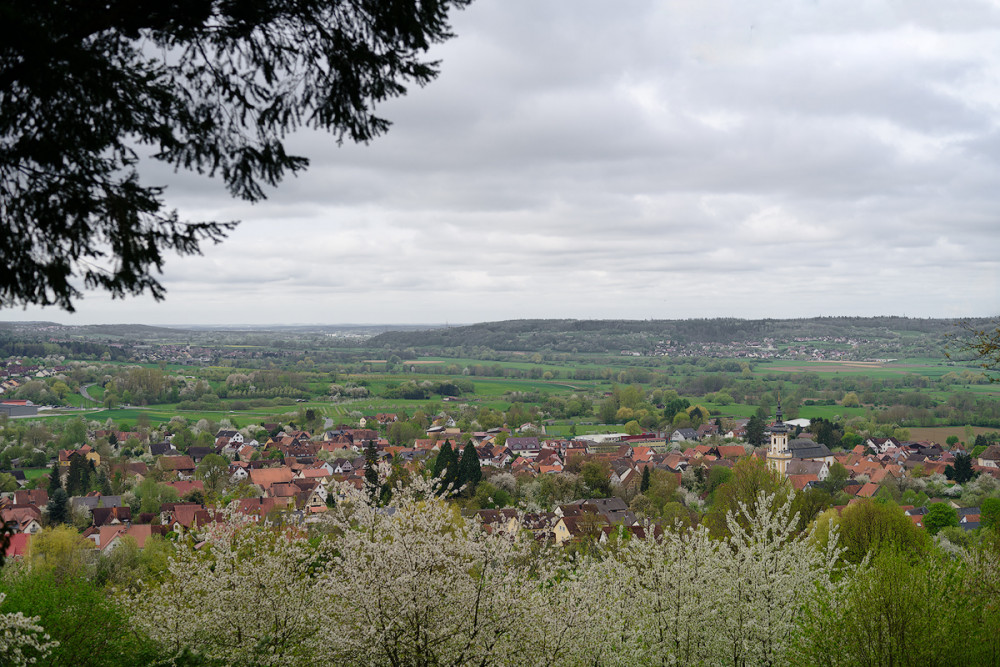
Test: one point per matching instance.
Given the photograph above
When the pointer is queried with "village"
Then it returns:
(293, 476)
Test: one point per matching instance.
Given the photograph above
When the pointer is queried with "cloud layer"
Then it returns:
(642, 159)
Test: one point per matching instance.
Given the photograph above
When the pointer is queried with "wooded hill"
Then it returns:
(645, 336)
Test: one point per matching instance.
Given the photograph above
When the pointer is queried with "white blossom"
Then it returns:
(22, 640)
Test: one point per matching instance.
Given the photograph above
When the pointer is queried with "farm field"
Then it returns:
(926, 367)
(940, 433)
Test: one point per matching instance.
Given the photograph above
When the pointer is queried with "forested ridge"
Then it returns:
(644, 335)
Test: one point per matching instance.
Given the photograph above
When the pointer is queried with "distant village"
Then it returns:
(294, 475)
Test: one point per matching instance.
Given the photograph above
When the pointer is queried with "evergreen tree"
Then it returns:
(371, 470)
(452, 473)
(962, 471)
(442, 460)
(103, 483)
(78, 477)
(644, 484)
(755, 431)
(469, 471)
(58, 507)
(55, 477)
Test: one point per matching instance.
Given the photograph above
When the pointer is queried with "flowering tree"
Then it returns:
(416, 583)
(22, 640)
(421, 585)
(249, 596)
(765, 567)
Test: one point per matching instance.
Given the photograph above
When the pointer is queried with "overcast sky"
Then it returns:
(582, 159)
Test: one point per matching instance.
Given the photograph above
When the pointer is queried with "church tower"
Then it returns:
(778, 454)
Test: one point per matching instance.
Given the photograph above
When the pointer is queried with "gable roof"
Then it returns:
(175, 463)
(807, 449)
(266, 477)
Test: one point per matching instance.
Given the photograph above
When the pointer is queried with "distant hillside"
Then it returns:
(602, 336)
(132, 331)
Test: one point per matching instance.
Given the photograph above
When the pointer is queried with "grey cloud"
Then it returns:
(649, 159)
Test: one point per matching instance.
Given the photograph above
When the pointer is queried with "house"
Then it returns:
(819, 469)
(880, 445)
(187, 486)
(578, 527)
(684, 435)
(868, 490)
(94, 500)
(265, 478)
(625, 473)
(527, 447)
(707, 429)
(731, 452)
(801, 482)
(23, 518)
(614, 510)
(257, 508)
(238, 471)
(182, 466)
(499, 521)
(110, 516)
(36, 497)
(232, 435)
(990, 457)
(107, 538)
(198, 453)
(162, 449)
(341, 466)
(184, 516)
(85, 451)
(318, 472)
(18, 546)
(140, 532)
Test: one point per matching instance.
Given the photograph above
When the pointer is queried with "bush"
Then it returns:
(91, 630)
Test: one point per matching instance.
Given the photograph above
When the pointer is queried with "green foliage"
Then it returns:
(826, 432)
(871, 526)
(59, 550)
(371, 470)
(213, 470)
(446, 468)
(938, 516)
(961, 472)
(897, 611)
(750, 479)
(717, 476)
(808, 504)
(8, 482)
(596, 476)
(152, 495)
(488, 496)
(78, 478)
(755, 431)
(470, 472)
(92, 631)
(989, 513)
(57, 509)
(837, 478)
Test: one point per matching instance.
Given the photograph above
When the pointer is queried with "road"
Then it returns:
(83, 392)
